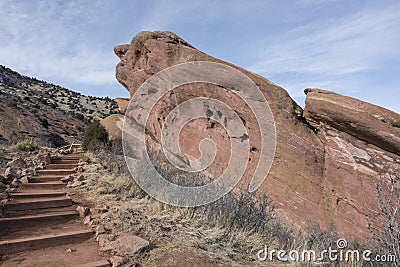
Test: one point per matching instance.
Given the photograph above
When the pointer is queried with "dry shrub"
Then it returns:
(95, 134)
(26, 145)
(239, 221)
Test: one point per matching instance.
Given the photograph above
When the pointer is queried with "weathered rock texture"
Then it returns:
(361, 144)
(122, 103)
(113, 125)
(317, 178)
(373, 124)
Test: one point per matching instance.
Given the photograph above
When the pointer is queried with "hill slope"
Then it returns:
(48, 113)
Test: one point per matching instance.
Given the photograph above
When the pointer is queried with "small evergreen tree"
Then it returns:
(44, 122)
(94, 134)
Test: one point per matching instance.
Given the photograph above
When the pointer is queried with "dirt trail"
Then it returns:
(41, 227)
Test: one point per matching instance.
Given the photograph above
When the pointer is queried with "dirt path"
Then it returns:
(41, 227)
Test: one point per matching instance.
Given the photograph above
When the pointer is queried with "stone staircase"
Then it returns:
(40, 215)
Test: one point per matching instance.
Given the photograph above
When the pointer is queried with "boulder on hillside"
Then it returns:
(116, 261)
(17, 162)
(44, 158)
(27, 172)
(361, 143)
(15, 183)
(113, 125)
(83, 211)
(122, 104)
(3, 187)
(12, 173)
(365, 121)
(124, 245)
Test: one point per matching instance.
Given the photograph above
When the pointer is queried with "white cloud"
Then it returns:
(335, 54)
(44, 39)
(337, 47)
(310, 43)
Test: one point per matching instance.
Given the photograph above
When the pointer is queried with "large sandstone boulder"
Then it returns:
(362, 148)
(122, 104)
(304, 192)
(113, 125)
(373, 124)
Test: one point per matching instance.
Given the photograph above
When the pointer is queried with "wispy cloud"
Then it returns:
(348, 47)
(354, 44)
(44, 39)
(333, 53)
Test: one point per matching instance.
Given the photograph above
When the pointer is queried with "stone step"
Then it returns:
(64, 161)
(54, 172)
(101, 263)
(37, 203)
(22, 230)
(19, 213)
(38, 219)
(50, 238)
(52, 185)
(72, 156)
(37, 194)
(46, 178)
(52, 166)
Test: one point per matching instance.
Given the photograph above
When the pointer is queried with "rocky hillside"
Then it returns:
(48, 113)
(329, 158)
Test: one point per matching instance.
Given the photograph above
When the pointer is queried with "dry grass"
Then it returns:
(230, 230)
(164, 226)
(26, 145)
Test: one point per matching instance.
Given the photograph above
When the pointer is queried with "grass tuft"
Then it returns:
(26, 145)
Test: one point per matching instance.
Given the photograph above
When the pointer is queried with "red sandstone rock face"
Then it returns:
(113, 125)
(362, 146)
(305, 182)
(122, 103)
(373, 124)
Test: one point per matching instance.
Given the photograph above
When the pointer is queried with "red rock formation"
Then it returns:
(113, 125)
(362, 147)
(305, 182)
(365, 121)
(122, 104)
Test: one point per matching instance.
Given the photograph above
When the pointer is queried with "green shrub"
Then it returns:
(94, 134)
(26, 145)
(44, 122)
(79, 116)
(87, 158)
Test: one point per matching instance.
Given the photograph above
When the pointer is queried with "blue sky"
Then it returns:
(349, 47)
